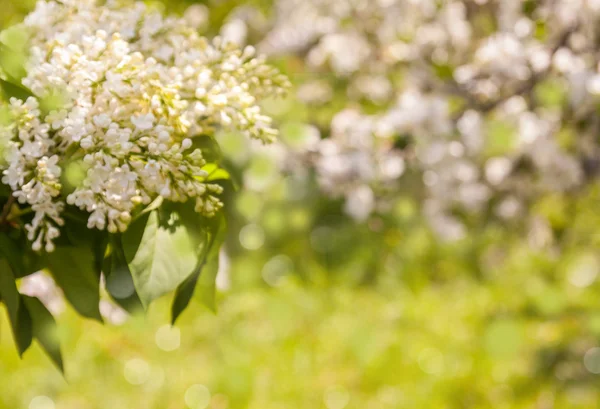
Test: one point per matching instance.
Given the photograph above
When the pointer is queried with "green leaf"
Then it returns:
(160, 252)
(44, 329)
(119, 282)
(15, 38)
(31, 261)
(215, 173)
(156, 203)
(12, 64)
(18, 314)
(5, 190)
(23, 261)
(207, 283)
(79, 235)
(185, 291)
(74, 269)
(11, 90)
(204, 277)
(211, 150)
(10, 250)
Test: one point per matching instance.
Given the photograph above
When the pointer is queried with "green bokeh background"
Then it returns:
(326, 313)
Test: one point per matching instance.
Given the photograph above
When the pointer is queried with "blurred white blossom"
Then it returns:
(473, 98)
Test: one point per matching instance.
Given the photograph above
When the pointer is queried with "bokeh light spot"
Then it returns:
(336, 398)
(137, 371)
(583, 271)
(276, 269)
(41, 402)
(300, 136)
(249, 205)
(197, 397)
(591, 360)
(168, 338)
(252, 237)
(261, 172)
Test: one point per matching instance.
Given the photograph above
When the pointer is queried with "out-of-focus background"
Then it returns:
(424, 235)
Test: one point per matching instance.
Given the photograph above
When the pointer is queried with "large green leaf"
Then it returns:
(44, 329)
(79, 235)
(32, 262)
(160, 252)
(13, 54)
(75, 271)
(15, 37)
(19, 255)
(119, 282)
(207, 283)
(185, 290)
(10, 250)
(205, 274)
(20, 320)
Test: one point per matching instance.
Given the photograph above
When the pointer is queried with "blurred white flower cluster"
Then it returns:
(487, 102)
(134, 88)
(44, 288)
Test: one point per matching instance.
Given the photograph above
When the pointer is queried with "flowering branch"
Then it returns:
(104, 146)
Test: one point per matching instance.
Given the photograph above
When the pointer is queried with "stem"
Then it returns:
(6, 209)
(526, 87)
(13, 216)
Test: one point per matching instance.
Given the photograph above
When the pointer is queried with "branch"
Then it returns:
(524, 88)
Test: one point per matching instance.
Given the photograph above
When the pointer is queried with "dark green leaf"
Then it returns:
(5, 190)
(74, 269)
(211, 151)
(18, 314)
(44, 329)
(78, 234)
(12, 90)
(32, 262)
(119, 282)
(10, 250)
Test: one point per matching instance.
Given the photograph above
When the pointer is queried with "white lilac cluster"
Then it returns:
(497, 96)
(134, 89)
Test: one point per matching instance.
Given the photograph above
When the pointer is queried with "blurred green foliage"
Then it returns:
(326, 313)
